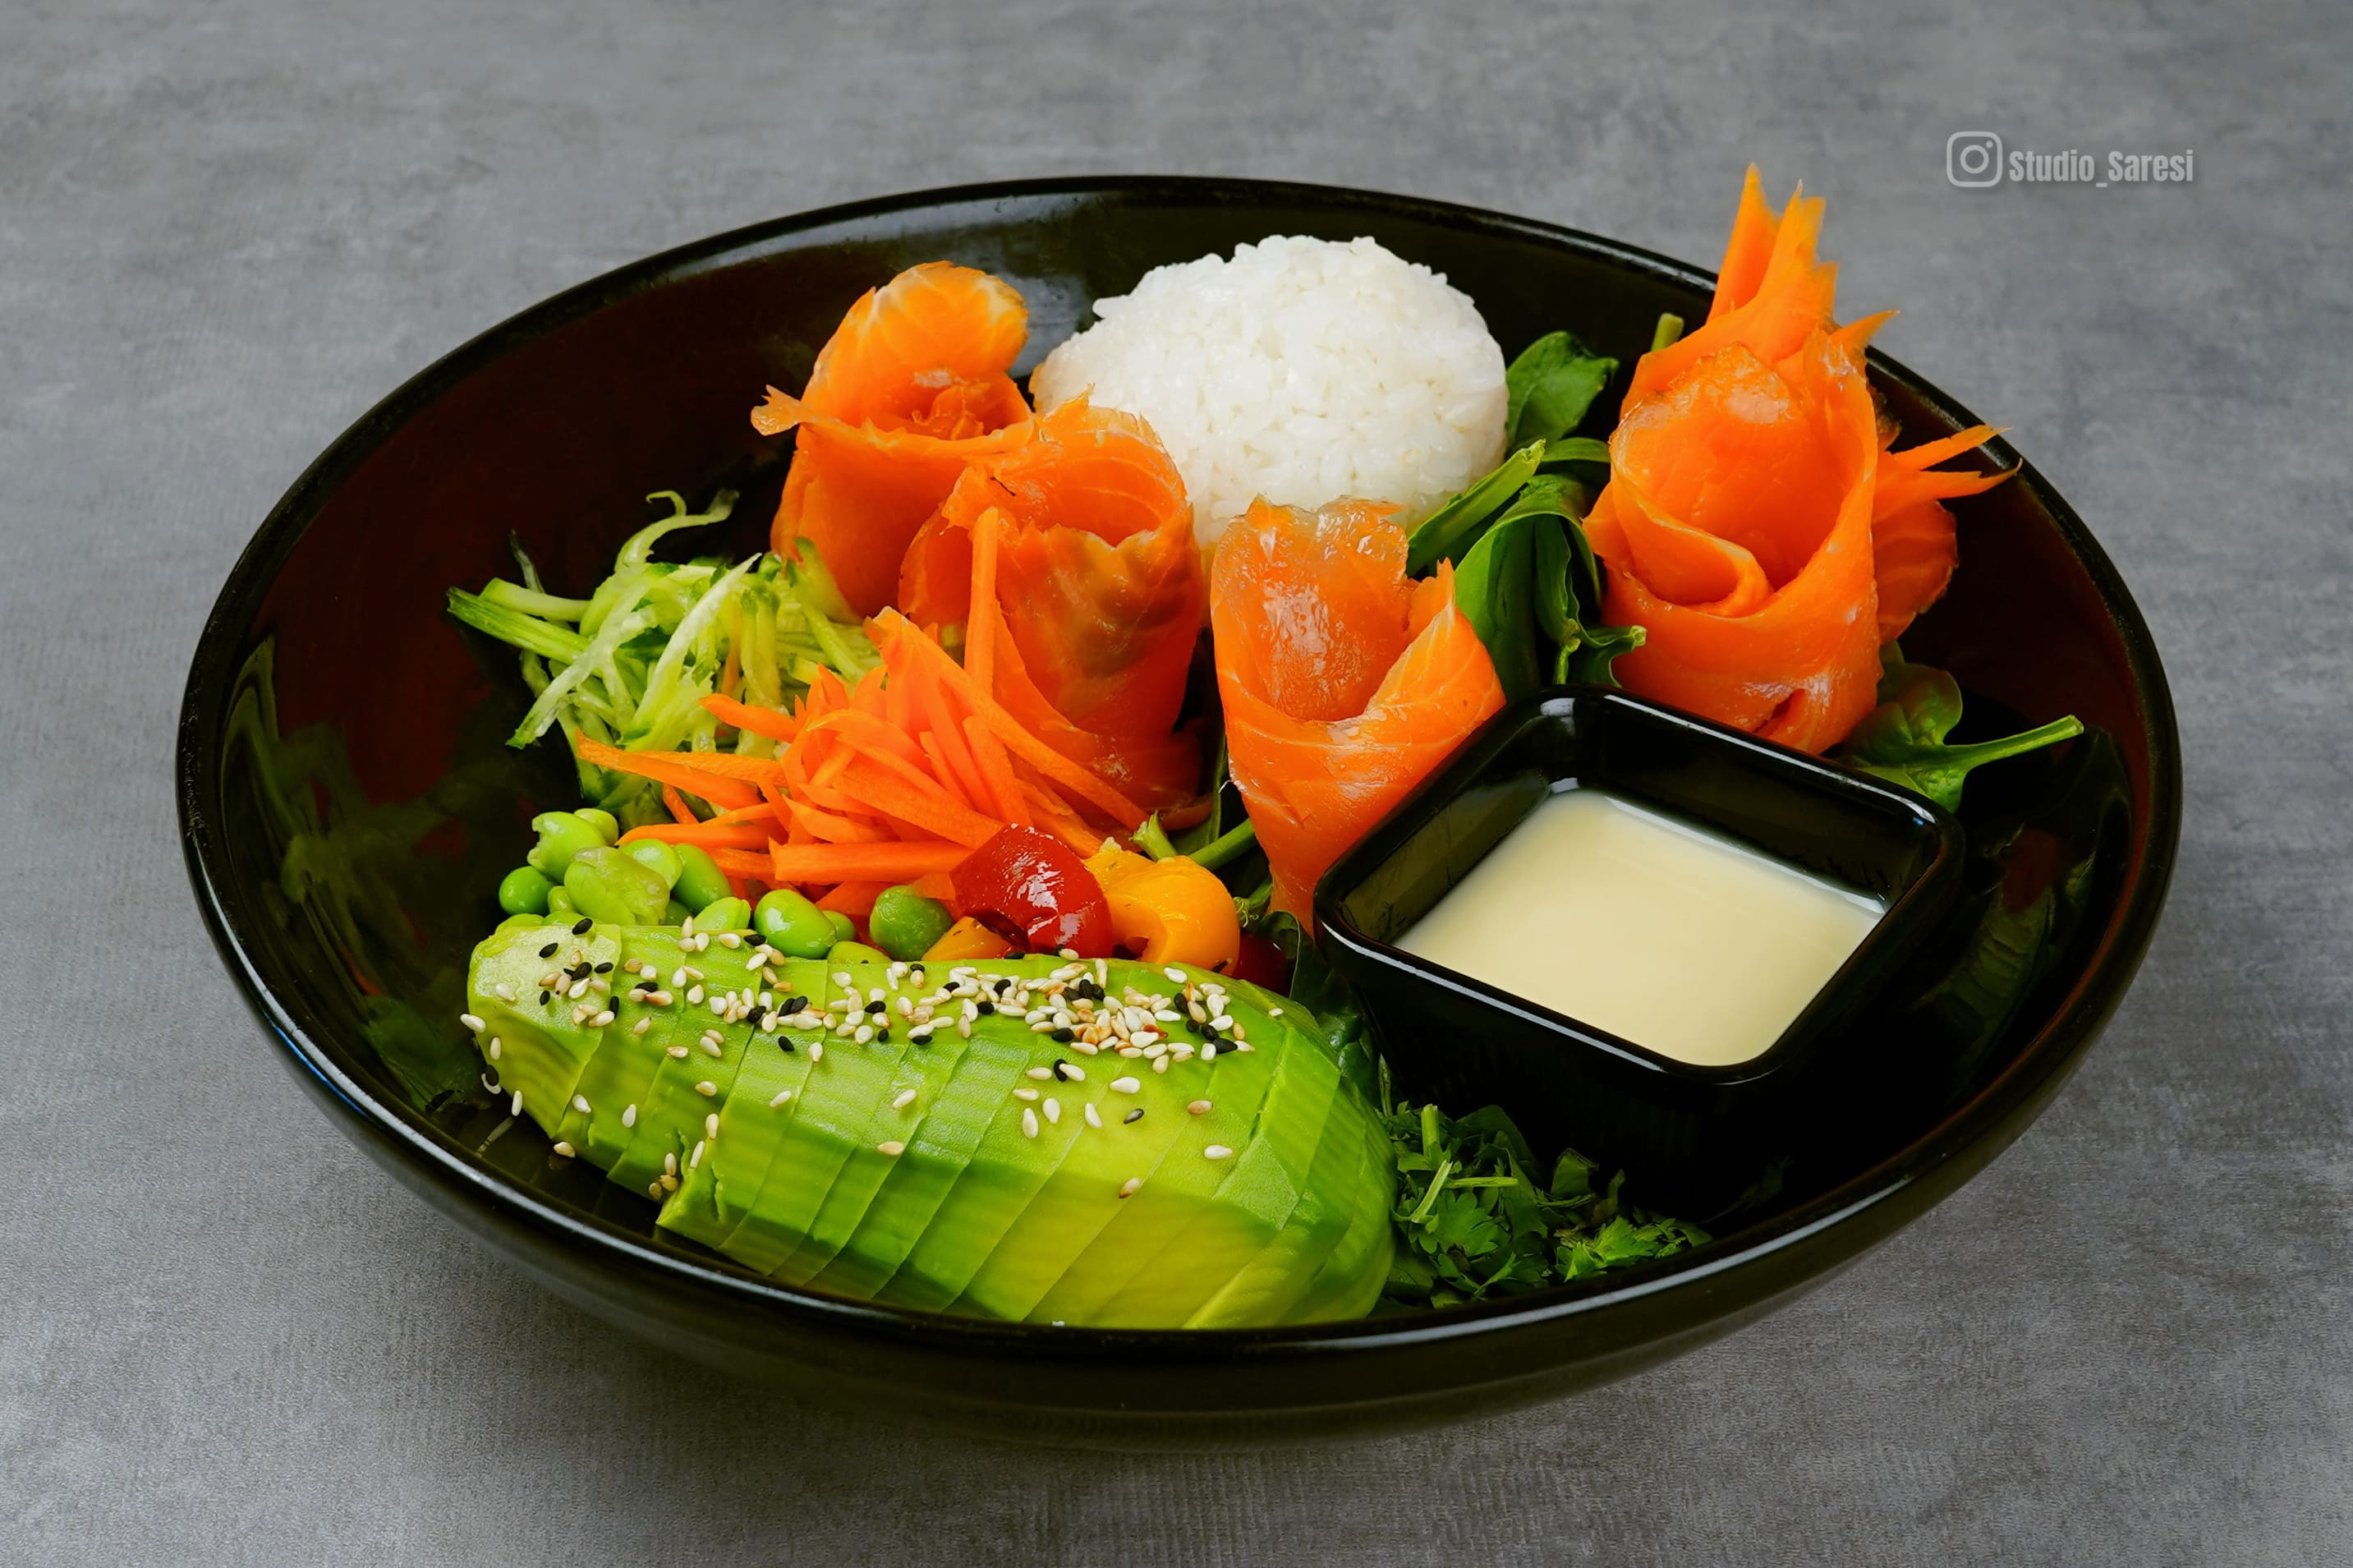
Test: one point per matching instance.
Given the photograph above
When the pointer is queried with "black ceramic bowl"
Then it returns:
(1690, 1138)
(348, 804)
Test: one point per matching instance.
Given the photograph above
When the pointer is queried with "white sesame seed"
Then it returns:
(564, 1149)
(1216, 1151)
(670, 1163)
(817, 1051)
(1053, 1109)
(579, 989)
(905, 1098)
(1176, 975)
(783, 1098)
(654, 1189)
(757, 960)
(580, 1104)
(1209, 1051)
(629, 1115)
(686, 929)
(516, 1109)
(706, 1088)
(713, 1047)
(730, 939)
(659, 998)
(1274, 1012)
(1067, 952)
(602, 1019)
(494, 1048)
(1041, 1073)
(841, 977)
(711, 1125)
(864, 1033)
(1129, 1187)
(1028, 1124)
(505, 992)
(1126, 1086)
(693, 995)
(1093, 1119)
(695, 1159)
(1160, 1063)
(473, 1024)
(1025, 1093)
(1073, 1072)
(1199, 1107)
(676, 1053)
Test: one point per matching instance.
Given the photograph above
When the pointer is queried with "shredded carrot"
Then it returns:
(981, 620)
(855, 899)
(887, 863)
(684, 771)
(753, 720)
(678, 809)
(997, 773)
(712, 834)
(1065, 773)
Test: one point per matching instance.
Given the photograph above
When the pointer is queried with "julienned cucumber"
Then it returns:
(891, 1133)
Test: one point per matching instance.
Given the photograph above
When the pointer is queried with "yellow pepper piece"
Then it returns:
(1167, 911)
(966, 940)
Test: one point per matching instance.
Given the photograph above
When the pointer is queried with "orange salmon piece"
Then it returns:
(1344, 683)
(911, 389)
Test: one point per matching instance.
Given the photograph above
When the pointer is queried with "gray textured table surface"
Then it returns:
(226, 229)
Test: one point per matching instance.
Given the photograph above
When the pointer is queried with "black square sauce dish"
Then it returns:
(1690, 1136)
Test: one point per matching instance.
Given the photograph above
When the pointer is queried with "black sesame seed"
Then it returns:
(754, 1016)
(876, 1006)
(785, 1043)
(1063, 1036)
(603, 968)
(544, 997)
(1135, 1114)
(584, 926)
(882, 1035)
(580, 970)
(548, 951)
(984, 1007)
(1003, 984)
(1062, 1069)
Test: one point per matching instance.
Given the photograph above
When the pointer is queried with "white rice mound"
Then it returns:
(1303, 370)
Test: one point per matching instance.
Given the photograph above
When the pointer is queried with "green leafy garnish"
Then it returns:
(1472, 1220)
(1903, 739)
(1525, 576)
(1551, 384)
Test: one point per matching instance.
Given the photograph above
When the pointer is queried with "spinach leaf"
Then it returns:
(1446, 533)
(1551, 384)
(1496, 587)
(1903, 739)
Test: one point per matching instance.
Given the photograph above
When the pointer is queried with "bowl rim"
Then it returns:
(1959, 1145)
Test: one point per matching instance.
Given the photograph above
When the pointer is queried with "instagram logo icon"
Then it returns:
(1973, 159)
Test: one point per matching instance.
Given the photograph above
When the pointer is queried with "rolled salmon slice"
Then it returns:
(1097, 574)
(912, 388)
(1344, 683)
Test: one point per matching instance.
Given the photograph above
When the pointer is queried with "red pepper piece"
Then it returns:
(1034, 889)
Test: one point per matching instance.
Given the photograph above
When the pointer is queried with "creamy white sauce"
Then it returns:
(1685, 942)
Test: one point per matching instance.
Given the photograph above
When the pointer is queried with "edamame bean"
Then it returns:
(560, 906)
(524, 892)
(723, 915)
(845, 929)
(676, 914)
(606, 884)
(657, 855)
(699, 880)
(792, 924)
(603, 822)
(562, 835)
(855, 953)
(905, 923)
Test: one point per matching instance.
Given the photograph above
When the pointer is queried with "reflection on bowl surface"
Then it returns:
(348, 799)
